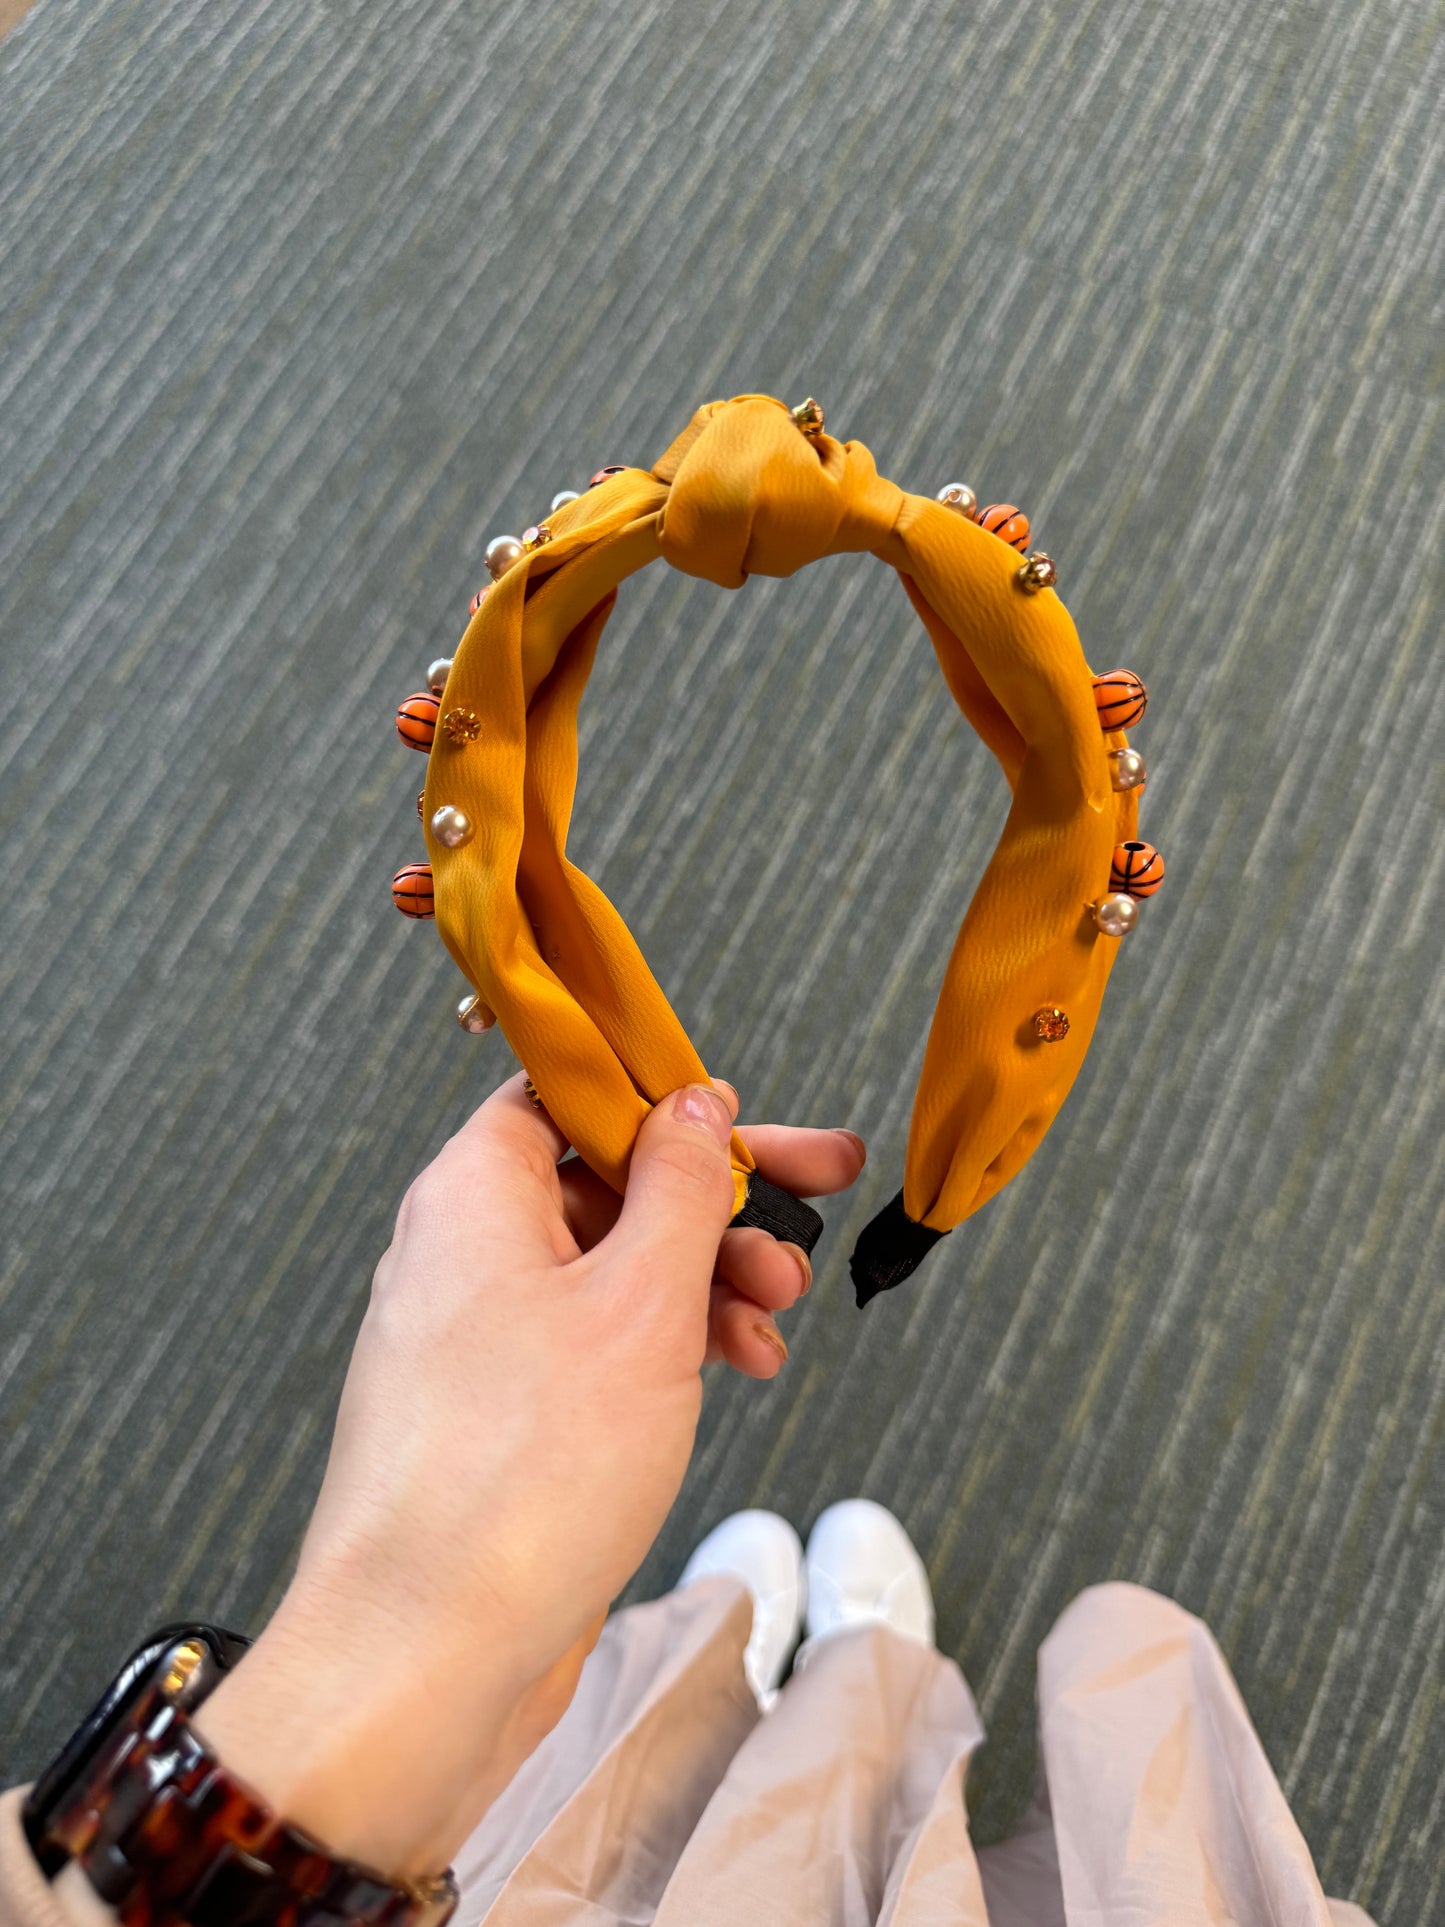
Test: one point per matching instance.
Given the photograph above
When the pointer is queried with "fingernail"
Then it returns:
(770, 1335)
(853, 1139)
(700, 1104)
(805, 1263)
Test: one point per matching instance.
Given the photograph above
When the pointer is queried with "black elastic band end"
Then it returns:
(890, 1248)
(778, 1211)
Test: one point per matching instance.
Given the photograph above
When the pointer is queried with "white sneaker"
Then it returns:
(767, 1555)
(861, 1567)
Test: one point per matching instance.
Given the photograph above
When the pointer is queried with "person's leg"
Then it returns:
(591, 1826)
(592, 1823)
(1020, 1875)
(1165, 1808)
(844, 1806)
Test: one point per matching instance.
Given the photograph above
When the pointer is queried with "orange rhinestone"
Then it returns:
(462, 725)
(419, 795)
(537, 536)
(1051, 1023)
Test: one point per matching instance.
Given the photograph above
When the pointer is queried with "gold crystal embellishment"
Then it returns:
(462, 725)
(809, 416)
(1051, 1023)
(183, 1661)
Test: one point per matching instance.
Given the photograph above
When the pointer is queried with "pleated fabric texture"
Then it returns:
(743, 491)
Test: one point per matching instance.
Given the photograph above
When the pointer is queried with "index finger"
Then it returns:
(805, 1160)
(509, 1123)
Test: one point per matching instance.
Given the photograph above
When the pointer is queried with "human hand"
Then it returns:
(516, 1421)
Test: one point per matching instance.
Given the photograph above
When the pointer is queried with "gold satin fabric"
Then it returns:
(743, 492)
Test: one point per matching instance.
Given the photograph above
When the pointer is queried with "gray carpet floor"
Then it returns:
(301, 304)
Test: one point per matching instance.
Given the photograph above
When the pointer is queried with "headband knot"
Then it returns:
(750, 494)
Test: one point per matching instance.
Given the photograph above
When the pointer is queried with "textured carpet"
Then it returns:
(303, 303)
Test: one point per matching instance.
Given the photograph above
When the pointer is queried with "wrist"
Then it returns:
(79, 1901)
(387, 1743)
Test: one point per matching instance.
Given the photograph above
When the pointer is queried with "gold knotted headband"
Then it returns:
(753, 487)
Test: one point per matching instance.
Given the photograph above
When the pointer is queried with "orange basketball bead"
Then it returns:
(1120, 698)
(476, 601)
(1009, 524)
(411, 890)
(1136, 869)
(416, 720)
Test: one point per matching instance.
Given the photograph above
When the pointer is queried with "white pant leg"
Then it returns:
(844, 1806)
(590, 1827)
(1165, 1808)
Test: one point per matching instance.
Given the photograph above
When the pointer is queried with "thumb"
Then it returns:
(679, 1194)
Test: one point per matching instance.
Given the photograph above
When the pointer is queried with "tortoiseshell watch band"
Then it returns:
(167, 1835)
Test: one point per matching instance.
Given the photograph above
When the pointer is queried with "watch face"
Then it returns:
(220, 1651)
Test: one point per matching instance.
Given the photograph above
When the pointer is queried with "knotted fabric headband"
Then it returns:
(752, 487)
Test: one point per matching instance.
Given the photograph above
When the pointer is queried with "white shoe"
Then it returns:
(767, 1555)
(861, 1568)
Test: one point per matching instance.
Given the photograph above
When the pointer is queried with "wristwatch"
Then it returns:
(166, 1834)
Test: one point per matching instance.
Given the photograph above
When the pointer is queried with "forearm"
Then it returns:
(386, 1744)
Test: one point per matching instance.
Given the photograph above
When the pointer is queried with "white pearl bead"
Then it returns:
(452, 827)
(1126, 769)
(473, 1016)
(959, 496)
(1116, 915)
(563, 497)
(502, 552)
(436, 675)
